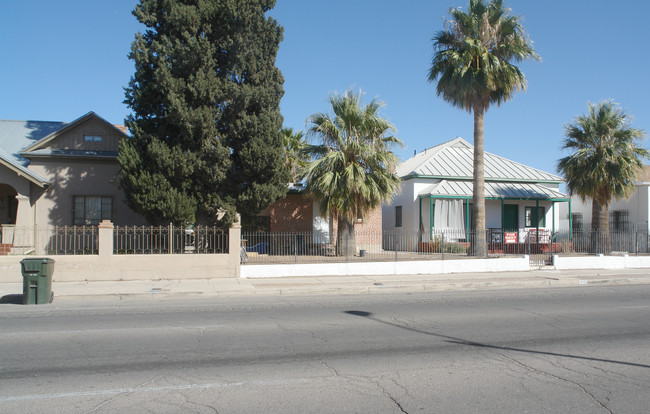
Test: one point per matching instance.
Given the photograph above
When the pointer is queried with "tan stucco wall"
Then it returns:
(129, 267)
(71, 177)
(9, 177)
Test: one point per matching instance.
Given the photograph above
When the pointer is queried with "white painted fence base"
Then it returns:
(601, 261)
(508, 264)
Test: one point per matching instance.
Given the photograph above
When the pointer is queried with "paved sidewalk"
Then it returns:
(338, 285)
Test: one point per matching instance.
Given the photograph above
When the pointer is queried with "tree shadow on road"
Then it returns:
(462, 341)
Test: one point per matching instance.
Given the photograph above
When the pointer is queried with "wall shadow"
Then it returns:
(70, 179)
(39, 130)
(14, 299)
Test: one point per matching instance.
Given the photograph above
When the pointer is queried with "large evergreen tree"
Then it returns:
(206, 121)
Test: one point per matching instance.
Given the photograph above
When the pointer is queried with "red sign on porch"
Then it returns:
(511, 237)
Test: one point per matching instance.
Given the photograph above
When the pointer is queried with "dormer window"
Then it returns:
(92, 138)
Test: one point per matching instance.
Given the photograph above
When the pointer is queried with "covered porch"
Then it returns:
(520, 217)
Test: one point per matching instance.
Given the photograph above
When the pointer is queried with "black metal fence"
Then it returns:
(169, 240)
(312, 247)
(70, 240)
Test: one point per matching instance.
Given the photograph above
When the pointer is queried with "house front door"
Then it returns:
(510, 217)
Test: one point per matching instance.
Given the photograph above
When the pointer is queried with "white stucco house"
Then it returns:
(436, 196)
(624, 215)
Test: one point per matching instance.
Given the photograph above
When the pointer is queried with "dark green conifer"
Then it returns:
(206, 116)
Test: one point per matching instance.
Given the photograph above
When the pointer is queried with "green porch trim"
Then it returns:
(496, 198)
(537, 221)
(420, 224)
(431, 222)
(503, 216)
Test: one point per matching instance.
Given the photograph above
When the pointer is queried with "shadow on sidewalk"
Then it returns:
(16, 299)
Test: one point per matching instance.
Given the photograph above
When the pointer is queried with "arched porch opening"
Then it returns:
(8, 212)
(8, 204)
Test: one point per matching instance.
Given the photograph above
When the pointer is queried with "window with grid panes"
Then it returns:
(91, 210)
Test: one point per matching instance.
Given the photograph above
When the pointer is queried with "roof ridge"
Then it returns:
(431, 151)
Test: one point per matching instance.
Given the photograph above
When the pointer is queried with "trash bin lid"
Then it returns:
(37, 260)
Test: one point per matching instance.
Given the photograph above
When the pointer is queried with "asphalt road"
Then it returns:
(577, 350)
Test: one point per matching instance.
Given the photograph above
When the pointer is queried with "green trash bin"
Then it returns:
(37, 280)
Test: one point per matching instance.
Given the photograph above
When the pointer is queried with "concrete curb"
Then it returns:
(344, 285)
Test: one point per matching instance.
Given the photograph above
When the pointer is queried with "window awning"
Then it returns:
(493, 190)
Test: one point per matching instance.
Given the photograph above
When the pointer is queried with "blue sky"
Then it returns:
(63, 59)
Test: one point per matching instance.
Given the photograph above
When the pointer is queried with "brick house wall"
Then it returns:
(295, 214)
(292, 214)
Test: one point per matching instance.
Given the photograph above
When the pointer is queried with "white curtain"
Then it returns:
(448, 216)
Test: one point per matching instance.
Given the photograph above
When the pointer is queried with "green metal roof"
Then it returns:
(493, 190)
(455, 160)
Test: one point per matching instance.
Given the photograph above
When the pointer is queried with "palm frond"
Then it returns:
(607, 154)
(473, 54)
(352, 170)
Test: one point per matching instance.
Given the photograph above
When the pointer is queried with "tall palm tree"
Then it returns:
(473, 70)
(605, 161)
(352, 171)
(294, 152)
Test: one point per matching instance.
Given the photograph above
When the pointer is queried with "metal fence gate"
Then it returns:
(540, 259)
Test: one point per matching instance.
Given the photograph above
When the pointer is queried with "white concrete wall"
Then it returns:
(388, 268)
(600, 262)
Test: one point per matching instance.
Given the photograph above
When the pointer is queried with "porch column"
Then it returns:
(420, 227)
(24, 212)
(502, 217)
(537, 220)
(467, 223)
(24, 231)
(431, 214)
(553, 208)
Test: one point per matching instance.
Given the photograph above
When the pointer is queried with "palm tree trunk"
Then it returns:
(600, 242)
(346, 243)
(478, 245)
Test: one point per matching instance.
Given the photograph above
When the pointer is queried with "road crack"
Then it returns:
(577, 384)
(118, 396)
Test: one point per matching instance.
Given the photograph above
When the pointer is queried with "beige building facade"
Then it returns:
(56, 174)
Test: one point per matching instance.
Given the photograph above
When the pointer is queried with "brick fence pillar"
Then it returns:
(234, 245)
